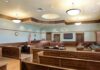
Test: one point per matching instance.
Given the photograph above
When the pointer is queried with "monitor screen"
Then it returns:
(68, 36)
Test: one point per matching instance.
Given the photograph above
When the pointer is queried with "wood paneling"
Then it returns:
(74, 54)
(11, 52)
(70, 43)
(52, 53)
(98, 37)
(75, 63)
(79, 37)
(79, 60)
(57, 37)
(48, 36)
(18, 44)
(37, 66)
(49, 61)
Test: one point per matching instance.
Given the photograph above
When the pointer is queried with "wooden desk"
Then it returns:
(9, 63)
(3, 65)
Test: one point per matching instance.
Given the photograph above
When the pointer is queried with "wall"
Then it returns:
(61, 36)
(39, 31)
(8, 36)
(36, 36)
(88, 29)
(89, 36)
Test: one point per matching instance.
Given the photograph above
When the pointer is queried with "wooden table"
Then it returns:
(3, 66)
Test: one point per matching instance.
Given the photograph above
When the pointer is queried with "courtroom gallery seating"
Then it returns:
(79, 60)
(55, 59)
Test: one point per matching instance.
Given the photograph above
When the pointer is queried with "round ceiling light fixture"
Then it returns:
(16, 20)
(50, 16)
(73, 11)
(6, 1)
(78, 23)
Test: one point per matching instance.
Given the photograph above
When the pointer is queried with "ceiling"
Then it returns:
(34, 9)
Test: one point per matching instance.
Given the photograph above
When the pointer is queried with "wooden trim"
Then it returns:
(25, 65)
(78, 37)
(49, 36)
(84, 22)
(96, 36)
(12, 44)
(6, 17)
(69, 43)
(50, 22)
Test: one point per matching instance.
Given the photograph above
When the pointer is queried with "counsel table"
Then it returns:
(3, 65)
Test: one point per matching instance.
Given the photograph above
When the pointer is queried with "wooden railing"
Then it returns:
(89, 55)
(26, 65)
(11, 52)
(80, 60)
(80, 64)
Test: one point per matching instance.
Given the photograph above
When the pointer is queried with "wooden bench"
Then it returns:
(89, 55)
(78, 64)
(26, 65)
(81, 60)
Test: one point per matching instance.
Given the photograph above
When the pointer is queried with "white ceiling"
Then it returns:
(90, 9)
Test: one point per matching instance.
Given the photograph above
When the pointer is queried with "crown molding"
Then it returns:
(31, 19)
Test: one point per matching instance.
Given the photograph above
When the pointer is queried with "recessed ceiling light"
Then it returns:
(78, 23)
(40, 9)
(50, 16)
(7, 1)
(73, 11)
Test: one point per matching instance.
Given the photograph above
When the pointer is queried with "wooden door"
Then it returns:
(49, 36)
(79, 37)
(98, 37)
(57, 37)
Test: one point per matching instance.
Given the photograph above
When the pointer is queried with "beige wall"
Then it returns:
(88, 29)
(89, 36)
